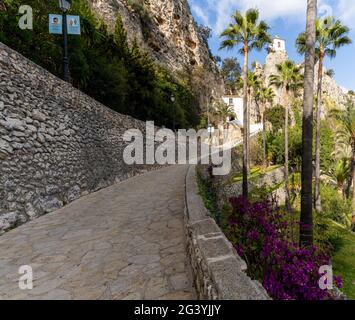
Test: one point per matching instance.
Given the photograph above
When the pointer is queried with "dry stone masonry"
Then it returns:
(56, 143)
(228, 189)
(218, 272)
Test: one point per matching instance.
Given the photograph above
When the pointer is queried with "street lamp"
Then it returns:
(173, 100)
(209, 107)
(64, 5)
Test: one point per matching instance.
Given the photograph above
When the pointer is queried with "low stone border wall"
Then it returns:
(218, 272)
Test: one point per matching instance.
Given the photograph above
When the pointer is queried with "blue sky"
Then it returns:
(287, 20)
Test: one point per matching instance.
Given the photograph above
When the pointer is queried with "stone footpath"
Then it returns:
(124, 242)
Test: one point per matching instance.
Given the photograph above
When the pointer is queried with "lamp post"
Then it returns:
(64, 5)
(173, 101)
(209, 106)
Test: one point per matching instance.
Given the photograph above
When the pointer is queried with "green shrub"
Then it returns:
(208, 192)
(276, 147)
(327, 145)
(335, 207)
(276, 116)
(326, 237)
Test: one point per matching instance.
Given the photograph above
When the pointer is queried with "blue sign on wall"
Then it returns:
(73, 23)
(55, 24)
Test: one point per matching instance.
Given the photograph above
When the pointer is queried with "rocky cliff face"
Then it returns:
(165, 27)
(330, 86)
(272, 59)
(332, 89)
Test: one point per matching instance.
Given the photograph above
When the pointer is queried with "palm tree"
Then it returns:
(289, 79)
(265, 95)
(331, 34)
(224, 111)
(346, 137)
(306, 220)
(338, 174)
(249, 33)
(253, 84)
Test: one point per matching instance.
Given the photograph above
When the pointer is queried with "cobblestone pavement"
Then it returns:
(123, 242)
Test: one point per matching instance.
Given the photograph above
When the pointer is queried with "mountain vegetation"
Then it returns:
(102, 64)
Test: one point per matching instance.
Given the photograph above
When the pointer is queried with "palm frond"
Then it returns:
(252, 16)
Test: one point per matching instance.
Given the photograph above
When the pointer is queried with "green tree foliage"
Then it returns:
(276, 116)
(327, 138)
(231, 72)
(102, 64)
(275, 140)
(276, 147)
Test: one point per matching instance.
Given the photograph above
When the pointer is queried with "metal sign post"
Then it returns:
(64, 24)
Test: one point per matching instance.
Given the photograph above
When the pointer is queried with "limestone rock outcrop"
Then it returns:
(165, 27)
(272, 60)
(331, 88)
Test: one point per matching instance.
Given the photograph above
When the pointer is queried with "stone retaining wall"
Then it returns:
(56, 143)
(219, 273)
(228, 190)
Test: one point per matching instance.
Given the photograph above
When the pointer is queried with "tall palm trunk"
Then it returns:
(287, 190)
(317, 196)
(245, 124)
(306, 222)
(264, 140)
(248, 126)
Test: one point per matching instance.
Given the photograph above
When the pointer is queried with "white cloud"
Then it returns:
(345, 10)
(217, 13)
(272, 9)
(200, 13)
(221, 10)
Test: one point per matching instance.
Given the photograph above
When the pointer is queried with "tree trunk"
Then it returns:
(317, 196)
(264, 141)
(306, 222)
(287, 189)
(350, 180)
(248, 126)
(245, 124)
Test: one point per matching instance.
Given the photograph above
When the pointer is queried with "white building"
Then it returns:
(236, 103)
(278, 44)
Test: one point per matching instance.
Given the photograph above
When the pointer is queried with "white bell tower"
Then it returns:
(278, 44)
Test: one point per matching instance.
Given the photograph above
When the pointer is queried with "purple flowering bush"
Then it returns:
(288, 272)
